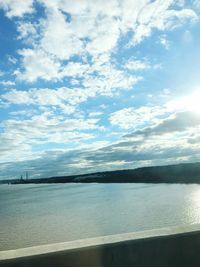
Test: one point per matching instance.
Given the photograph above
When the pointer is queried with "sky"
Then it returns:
(100, 85)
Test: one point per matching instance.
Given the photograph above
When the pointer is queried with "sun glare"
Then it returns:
(187, 103)
(192, 103)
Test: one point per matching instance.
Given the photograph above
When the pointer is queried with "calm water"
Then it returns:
(41, 214)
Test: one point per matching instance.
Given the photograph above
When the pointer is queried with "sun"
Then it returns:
(186, 103)
(192, 102)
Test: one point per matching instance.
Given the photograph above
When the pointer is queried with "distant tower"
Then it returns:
(21, 178)
(26, 175)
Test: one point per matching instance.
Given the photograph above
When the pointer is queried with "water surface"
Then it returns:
(41, 214)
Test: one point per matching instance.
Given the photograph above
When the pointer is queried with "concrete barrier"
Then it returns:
(171, 247)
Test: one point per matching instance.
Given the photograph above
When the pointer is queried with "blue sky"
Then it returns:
(98, 85)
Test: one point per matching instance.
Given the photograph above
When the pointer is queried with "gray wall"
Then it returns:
(176, 249)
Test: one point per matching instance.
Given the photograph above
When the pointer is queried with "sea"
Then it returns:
(35, 214)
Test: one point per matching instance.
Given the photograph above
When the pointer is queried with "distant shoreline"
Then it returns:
(186, 173)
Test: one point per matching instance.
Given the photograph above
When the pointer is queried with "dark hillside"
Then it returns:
(180, 173)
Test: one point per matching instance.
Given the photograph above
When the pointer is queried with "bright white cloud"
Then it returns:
(133, 118)
(16, 7)
(159, 15)
(27, 31)
(38, 64)
(64, 98)
(108, 82)
(100, 33)
(66, 43)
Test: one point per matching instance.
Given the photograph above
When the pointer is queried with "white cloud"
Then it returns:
(27, 113)
(185, 103)
(47, 122)
(95, 114)
(101, 156)
(64, 98)
(66, 43)
(108, 81)
(7, 83)
(133, 118)
(20, 135)
(88, 28)
(13, 149)
(16, 7)
(38, 64)
(17, 97)
(136, 64)
(165, 42)
(75, 69)
(27, 30)
(159, 15)
(178, 122)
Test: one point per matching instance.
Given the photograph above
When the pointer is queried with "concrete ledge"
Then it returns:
(175, 246)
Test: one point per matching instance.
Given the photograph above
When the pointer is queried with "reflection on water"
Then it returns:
(41, 214)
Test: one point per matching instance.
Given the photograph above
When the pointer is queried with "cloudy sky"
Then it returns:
(98, 85)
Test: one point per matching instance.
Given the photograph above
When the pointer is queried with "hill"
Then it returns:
(180, 173)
